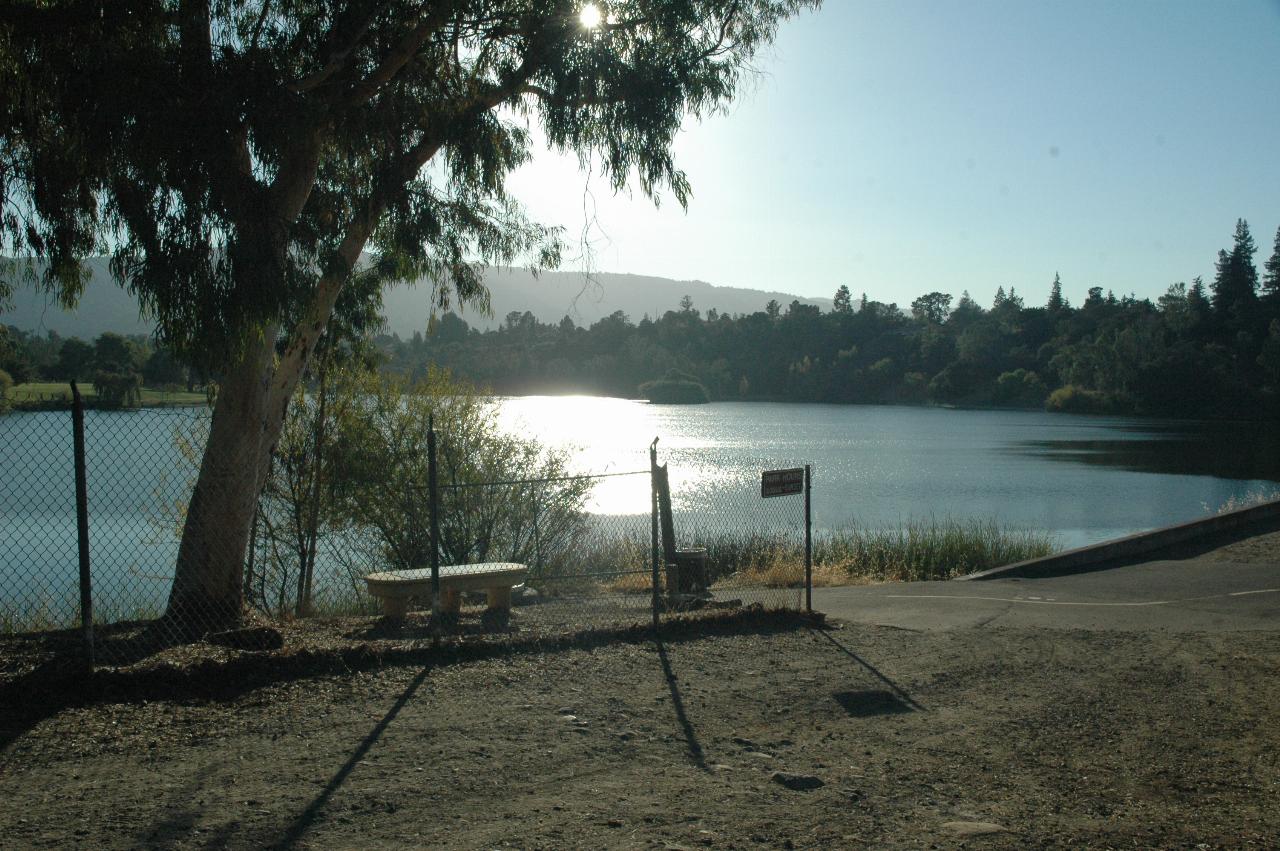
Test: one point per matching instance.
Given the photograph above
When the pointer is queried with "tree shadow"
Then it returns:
(174, 829)
(860, 702)
(307, 818)
(692, 745)
(40, 693)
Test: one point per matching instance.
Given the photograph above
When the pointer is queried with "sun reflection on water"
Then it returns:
(605, 435)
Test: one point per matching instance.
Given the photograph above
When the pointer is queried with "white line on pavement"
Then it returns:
(1070, 603)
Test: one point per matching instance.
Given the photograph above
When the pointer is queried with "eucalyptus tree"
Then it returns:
(236, 159)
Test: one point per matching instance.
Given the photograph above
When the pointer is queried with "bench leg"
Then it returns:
(450, 601)
(395, 607)
(500, 597)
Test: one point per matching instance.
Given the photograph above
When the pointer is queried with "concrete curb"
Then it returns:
(1220, 528)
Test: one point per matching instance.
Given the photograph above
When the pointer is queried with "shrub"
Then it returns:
(493, 484)
(1020, 387)
(675, 388)
(1073, 399)
(118, 389)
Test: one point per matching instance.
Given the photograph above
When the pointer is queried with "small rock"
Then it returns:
(760, 754)
(565, 710)
(614, 822)
(746, 743)
(973, 828)
(797, 782)
(567, 717)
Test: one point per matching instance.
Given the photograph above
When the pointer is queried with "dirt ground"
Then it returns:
(1259, 549)
(992, 738)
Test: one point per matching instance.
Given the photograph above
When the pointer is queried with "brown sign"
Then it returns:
(782, 482)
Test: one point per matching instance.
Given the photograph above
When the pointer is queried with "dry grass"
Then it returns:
(789, 573)
(1246, 500)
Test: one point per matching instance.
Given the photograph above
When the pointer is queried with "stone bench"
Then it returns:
(396, 587)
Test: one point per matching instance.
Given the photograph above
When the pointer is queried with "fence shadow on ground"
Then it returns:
(303, 823)
(43, 690)
(692, 745)
(871, 702)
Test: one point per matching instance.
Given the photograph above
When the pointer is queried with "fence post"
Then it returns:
(433, 503)
(82, 521)
(808, 540)
(537, 540)
(653, 526)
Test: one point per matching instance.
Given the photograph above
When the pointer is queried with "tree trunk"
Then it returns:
(255, 393)
(208, 584)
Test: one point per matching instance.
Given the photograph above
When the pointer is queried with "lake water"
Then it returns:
(1084, 479)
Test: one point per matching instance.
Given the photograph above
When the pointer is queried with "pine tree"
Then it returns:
(1235, 286)
(1242, 258)
(1197, 303)
(1056, 303)
(843, 301)
(1271, 278)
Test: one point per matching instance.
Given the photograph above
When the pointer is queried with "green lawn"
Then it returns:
(37, 392)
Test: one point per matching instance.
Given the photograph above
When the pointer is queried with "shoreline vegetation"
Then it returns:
(675, 388)
(56, 396)
(915, 551)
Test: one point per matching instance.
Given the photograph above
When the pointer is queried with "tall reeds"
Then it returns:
(913, 551)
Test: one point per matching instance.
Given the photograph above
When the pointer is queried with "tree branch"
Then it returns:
(339, 57)
(400, 55)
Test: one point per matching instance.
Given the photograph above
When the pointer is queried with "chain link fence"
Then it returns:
(592, 544)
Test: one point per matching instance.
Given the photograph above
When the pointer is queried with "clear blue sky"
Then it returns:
(904, 146)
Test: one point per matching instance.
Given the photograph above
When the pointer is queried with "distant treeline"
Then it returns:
(1196, 351)
(27, 357)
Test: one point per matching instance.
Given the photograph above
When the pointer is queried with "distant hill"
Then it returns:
(103, 307)
(553, 295)
(550, 297)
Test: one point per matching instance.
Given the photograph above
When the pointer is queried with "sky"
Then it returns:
(902, 146)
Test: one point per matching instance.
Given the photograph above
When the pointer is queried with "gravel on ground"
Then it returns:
(766, 731)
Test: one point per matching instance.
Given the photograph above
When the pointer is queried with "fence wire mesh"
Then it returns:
(587, 541)
(754, 547)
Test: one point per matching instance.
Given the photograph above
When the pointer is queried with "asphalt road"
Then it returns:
(1192, 595)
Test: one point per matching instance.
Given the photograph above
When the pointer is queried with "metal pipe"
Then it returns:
(653, 516)
(808, 540)
(82, 521)
(433, 507)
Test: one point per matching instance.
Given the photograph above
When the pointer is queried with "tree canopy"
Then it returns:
(230, 156)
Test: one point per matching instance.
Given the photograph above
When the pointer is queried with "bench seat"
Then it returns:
(396, 587)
